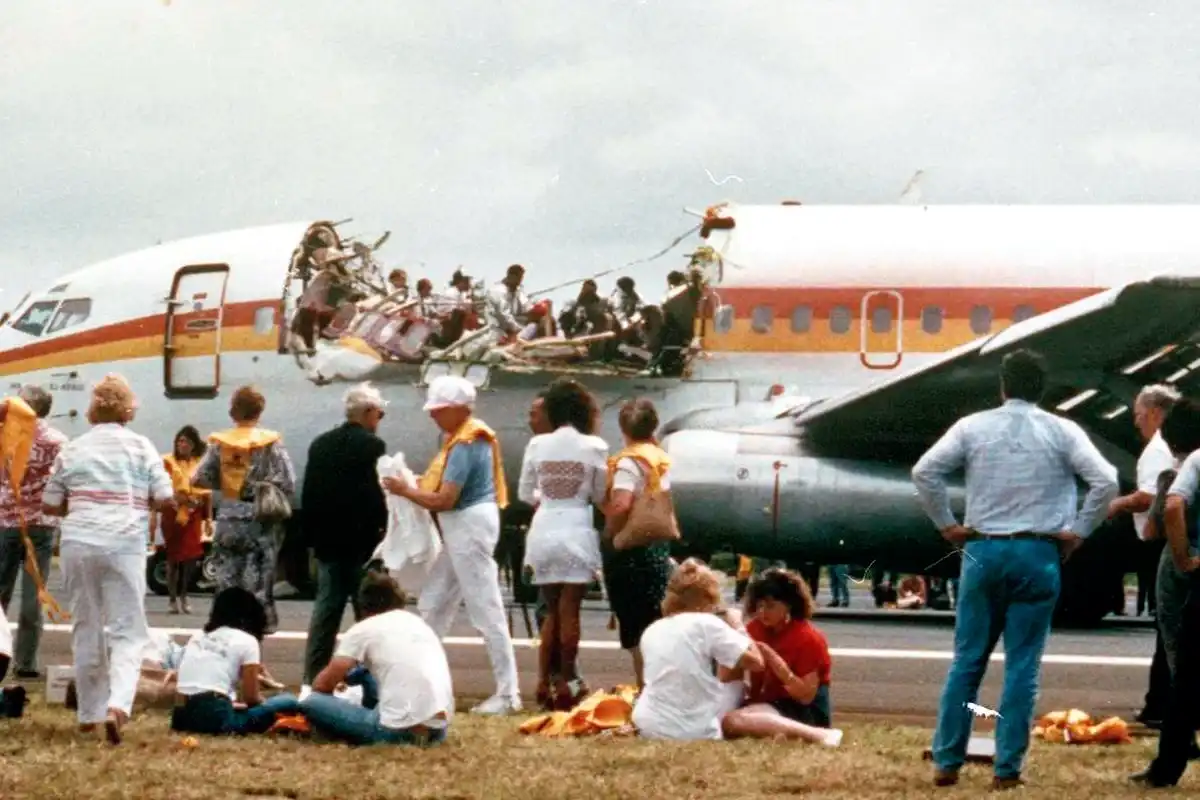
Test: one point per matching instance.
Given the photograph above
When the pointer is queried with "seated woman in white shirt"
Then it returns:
(565, 475)
(683, 696)
(407, 663)
(216, 663)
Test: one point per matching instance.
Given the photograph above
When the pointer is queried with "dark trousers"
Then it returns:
(337, 584)
(12, 566)
(1158, 695)
(215, 715)
(1177, 740)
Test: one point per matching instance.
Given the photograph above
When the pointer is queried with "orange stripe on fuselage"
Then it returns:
(137, 338)
(830, 320)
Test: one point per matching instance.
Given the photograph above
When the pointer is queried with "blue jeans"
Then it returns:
(1009, 588)
(838, 585)
(348, 722)
(214, 714)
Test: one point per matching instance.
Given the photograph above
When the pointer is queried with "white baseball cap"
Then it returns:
(446, 391)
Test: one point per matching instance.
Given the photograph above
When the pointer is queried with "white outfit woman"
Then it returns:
(565, 473)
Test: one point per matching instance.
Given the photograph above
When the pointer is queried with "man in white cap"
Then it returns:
(464, 488)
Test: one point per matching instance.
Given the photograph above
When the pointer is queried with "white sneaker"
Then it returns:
(498, 704)
(833, 738)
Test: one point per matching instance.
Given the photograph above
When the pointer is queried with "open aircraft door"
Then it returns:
(881, 322)
(192, 335)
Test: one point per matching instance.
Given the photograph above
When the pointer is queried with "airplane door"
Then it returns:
(192, 335)
(881, 324)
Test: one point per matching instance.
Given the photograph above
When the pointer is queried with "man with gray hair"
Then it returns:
(1150, 408)
(41, 527)
(344, 516)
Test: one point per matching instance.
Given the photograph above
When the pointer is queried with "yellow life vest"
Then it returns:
(471, 430)
(181, 471)
(237, 445)
(653, 459)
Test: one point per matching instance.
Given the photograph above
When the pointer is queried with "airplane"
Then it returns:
(806, 302)
(830, 481)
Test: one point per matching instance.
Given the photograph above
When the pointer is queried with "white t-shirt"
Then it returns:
(630, 477)
(408, 662)
(212, 662)
(683, 698)
(1155, 458)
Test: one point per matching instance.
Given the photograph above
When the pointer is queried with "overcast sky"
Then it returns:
(563, 134)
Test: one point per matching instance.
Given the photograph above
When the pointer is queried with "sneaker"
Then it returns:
(833, 738)
(498, 704)
(12, 702)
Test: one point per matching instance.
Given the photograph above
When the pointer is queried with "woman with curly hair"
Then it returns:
(790, 697)
(565, 475)
(104, 485)
(238, 462)
(683, 695)
(183, 530)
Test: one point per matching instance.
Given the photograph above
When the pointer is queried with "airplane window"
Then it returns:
(70, 313)
(801, 319)
(761, 318)
(1023, 312)
(881, 320)
(724, 320)
(35, 317)
(264, 319)
(839, 320)
(981, 320)
(931, 319)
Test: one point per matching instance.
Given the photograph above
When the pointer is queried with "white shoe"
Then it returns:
(833, 738)
(498, 704)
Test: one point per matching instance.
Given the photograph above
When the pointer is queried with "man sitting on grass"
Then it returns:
(406, 661)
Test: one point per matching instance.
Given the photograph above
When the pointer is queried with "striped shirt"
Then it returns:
(1020, 464)
(47, 443)
(107, 477)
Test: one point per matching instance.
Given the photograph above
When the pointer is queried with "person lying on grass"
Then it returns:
(789, 698)
(227, 653)
(406, 663)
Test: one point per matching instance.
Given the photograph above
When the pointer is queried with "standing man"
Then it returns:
(41, 527)
(464, 488)
(344, 517)
(507, 304)
(1020, 464)
(1178, 614)
(1149, 410)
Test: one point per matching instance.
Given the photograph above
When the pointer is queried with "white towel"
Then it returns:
(412, 544)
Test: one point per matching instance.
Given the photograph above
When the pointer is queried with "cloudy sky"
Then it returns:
(566, 135)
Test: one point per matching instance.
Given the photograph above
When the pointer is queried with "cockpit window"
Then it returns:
(34, 320)
(70, 313)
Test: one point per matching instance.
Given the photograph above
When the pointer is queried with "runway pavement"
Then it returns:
(887, 667)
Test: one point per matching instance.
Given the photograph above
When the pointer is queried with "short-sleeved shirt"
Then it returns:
(212, 662)
(408, 663)
(1154, 460)
(630, 477)
(802, 647)
(469, 466)
(108, 476)
(683, 698)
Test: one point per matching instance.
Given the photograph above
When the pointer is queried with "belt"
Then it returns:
(975, 536)
(181, 700)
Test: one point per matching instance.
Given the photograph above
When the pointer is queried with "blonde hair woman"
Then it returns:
(104, 485)
(683, 697)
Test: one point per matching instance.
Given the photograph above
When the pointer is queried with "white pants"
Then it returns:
(6, 639)
(104, 589)
(466, 560)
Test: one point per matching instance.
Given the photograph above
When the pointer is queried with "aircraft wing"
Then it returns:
(1101, 350)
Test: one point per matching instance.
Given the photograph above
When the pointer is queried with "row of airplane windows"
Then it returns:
(841, 319)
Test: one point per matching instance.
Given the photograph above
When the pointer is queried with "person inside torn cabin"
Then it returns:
(507, 305)
(460, 293)
(398, 285)
(319, 303)
(626, 303)
(585, 314)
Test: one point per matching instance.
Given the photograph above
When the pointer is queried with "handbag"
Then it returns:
(651, 519)
(270, 503)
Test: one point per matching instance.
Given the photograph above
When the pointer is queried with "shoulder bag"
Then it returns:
(652, 517)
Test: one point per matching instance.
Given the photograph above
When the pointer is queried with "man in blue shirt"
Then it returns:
(464, 490)
(1022, 517)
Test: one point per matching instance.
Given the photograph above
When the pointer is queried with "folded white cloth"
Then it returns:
(412, 544)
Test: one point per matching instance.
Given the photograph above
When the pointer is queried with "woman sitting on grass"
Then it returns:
(790, 697)
(682, 698)
(228, 652)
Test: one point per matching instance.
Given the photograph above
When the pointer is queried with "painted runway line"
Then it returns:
(837, 652)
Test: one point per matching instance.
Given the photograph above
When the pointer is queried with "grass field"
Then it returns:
(42, 756)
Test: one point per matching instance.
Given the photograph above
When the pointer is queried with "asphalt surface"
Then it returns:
(887, 664)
